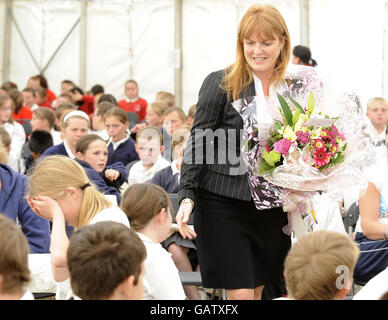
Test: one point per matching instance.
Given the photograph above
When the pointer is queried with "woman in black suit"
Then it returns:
(240, 248)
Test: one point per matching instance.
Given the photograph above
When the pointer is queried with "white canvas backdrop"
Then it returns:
(134, 39)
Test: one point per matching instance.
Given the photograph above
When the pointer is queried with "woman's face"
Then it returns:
(96, 155)
(115, 128)
(5, 111)
(262, 54)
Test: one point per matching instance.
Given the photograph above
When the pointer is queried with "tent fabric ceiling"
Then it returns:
(135, 39)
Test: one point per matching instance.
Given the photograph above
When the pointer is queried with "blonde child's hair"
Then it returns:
(166, 97)
(316, 262)
(54, 174)
(181, 114)
(158, 107)
(375, 100)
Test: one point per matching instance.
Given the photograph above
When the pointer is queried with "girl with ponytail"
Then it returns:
(61, 192)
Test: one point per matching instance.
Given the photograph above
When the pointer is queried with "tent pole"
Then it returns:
(83, 45)
(304, 22)
(178, 50)
(7, 40)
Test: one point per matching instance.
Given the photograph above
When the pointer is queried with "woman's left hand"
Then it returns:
(44, 206)
(111, 174)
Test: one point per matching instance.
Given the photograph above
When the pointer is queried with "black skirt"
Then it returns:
(238, 245)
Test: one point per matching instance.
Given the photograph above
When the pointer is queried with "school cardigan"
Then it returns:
(104, 185)
(57, 149)
(166, 179)
(14, 205)
(125, 153)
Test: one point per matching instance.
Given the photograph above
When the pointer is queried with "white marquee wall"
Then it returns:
(135, 39)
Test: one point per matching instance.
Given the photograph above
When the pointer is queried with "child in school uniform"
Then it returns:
(121, 147)
(92, 155)
(61, 192)
(148, 208)
(15, 130)
(76, 124)
(106, 262)
(149, 148)
(14, 272)
(132, 101)
(168, 178)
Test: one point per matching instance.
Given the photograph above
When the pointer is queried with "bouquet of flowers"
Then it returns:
(317, 142)
(294, 151)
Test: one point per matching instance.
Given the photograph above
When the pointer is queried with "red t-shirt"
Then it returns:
(87, 104)
(46, 104)
(50, 96)
(24, 113)
(139, 106)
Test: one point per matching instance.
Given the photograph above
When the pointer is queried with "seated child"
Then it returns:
(75, 125)
(320, 265)
(38, 143)
(98, 125)
(191, 114)
(121, 147)
(168, 178)
(92, 155)
(148, 208)
(13, 205)
(14, 271)
(154, 114)
(149, 148)
(106, 262)
(132, 101)
(377, 112)
(173, 118)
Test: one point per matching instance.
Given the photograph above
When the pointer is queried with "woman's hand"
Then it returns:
(44, 206)
(182, 218)
(111, 174)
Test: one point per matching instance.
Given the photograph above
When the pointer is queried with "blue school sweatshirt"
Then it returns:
(13, 204)
(125, 153)
(56, 149)
(104, 185)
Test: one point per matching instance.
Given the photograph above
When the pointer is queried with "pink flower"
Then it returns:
(333, 149)
(334, 131)
(303, 137)
(282, 146)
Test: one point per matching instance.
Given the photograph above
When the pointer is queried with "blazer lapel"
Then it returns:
(249, 91)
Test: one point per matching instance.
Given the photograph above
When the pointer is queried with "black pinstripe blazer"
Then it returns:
(212, 157)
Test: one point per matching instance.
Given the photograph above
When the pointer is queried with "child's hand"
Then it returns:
(111, 174)
(137, 127)
(44, 206)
